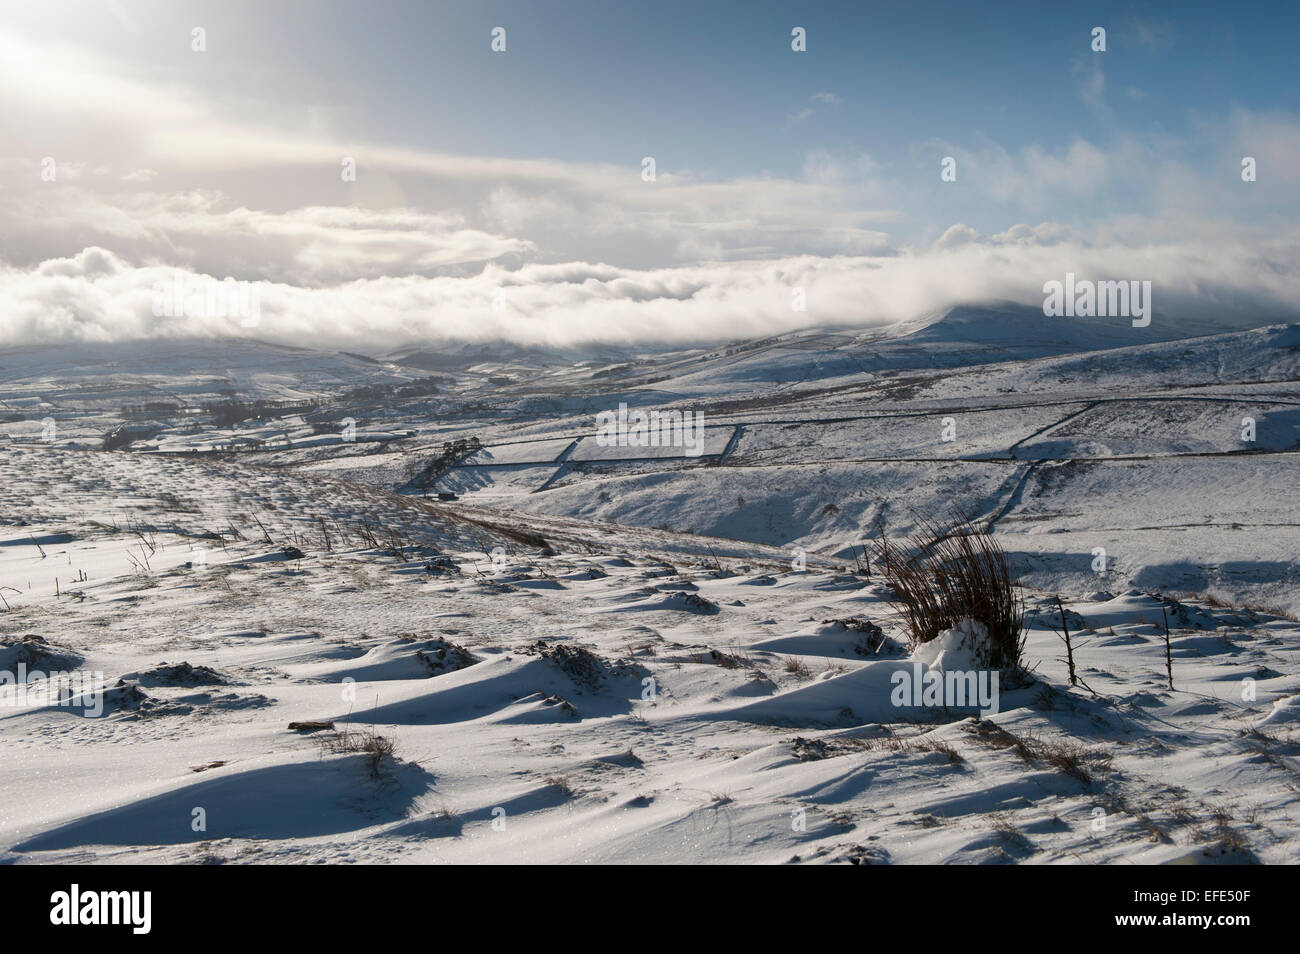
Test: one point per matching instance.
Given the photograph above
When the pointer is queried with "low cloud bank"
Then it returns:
(97, 296)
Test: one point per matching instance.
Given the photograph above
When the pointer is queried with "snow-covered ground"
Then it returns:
(620, 653)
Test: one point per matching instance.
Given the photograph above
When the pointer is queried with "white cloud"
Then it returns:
(1090, 81)
(96, 296)
(805, 113)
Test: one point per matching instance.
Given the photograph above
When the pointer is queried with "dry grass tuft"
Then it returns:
(951, 573)
(376, 749)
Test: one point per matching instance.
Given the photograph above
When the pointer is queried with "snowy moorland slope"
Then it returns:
(628, 654)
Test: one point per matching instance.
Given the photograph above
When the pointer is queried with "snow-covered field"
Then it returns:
(628, 654)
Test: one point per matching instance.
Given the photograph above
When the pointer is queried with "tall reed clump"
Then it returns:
(951, 572)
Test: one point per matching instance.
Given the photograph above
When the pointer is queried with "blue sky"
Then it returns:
(474, 164)
(712, 85)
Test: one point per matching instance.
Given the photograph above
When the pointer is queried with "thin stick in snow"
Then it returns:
(1069, 650)
(1169, 659)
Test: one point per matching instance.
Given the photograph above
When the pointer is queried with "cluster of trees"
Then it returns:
(420, 387)
(422, 475)
(230, 413)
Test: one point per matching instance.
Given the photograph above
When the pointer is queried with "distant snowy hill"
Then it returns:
(186, 368)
